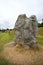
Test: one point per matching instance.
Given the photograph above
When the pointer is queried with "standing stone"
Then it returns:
(26, 30)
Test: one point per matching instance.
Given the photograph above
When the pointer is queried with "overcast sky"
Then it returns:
(10, 9)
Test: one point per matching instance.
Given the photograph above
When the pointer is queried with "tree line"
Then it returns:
(40, 24)
(6, 30)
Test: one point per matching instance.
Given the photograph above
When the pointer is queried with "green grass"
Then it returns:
(40, 36)
(40, 40)
(41, 31)
(5, 38)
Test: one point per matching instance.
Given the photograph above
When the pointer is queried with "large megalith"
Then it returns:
(26, 31)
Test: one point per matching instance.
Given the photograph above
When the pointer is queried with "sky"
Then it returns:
(10, 9)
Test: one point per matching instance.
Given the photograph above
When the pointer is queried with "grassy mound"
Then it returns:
(22, 56)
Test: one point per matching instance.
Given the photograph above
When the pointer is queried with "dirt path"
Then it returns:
(22, 56)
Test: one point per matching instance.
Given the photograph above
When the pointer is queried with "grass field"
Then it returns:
(8, 37)
(40, 36)
(5, 38)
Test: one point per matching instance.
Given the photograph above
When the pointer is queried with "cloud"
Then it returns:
(10, 9)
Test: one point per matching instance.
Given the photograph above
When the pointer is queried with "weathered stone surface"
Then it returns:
(26, 30)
